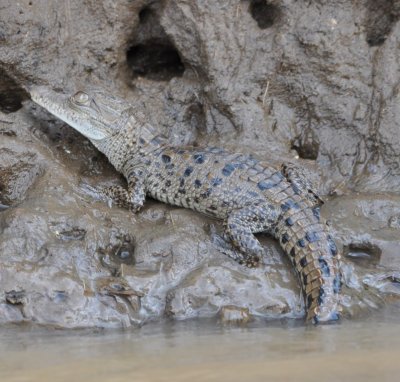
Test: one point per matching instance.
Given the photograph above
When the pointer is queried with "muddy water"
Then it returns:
(365, 350)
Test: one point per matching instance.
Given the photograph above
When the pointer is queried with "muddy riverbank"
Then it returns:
(313, 83)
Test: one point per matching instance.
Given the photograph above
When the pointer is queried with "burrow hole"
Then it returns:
(152, 55)
(11, 93)
(381, 17)
(363, 252)
(155, 60)
(306, 145)
(264, 13)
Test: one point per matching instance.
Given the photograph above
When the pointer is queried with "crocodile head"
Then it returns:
(96, 114)
(114, 126)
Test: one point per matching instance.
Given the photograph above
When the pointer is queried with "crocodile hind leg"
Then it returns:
(300, 179)
(240, 227)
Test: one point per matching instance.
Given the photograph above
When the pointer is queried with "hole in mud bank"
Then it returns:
(306, 146)
(381, 17)
(263, 13)
(195, 117)
(156, 60)
(363, 253)
(121, 253)
(11, 94)
(145, 14)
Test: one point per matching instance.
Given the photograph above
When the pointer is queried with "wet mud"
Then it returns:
(311, 82)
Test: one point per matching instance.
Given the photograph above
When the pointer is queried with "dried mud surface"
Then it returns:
(315, 82)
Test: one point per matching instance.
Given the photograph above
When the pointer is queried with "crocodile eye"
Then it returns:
(80, 98)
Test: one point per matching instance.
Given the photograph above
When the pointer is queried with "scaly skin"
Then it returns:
(248, 195)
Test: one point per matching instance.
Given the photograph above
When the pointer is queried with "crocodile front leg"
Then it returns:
(131, 198)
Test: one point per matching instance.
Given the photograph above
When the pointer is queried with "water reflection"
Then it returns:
(366, 350)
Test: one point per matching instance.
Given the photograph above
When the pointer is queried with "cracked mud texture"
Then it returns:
(315, 82)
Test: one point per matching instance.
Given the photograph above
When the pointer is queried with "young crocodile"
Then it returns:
(248, 195)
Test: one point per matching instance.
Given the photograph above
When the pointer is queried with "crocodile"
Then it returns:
(248, 195)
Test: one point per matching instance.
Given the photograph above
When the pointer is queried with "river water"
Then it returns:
(354, 350)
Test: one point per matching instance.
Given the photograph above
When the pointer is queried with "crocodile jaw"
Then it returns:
(60, 106)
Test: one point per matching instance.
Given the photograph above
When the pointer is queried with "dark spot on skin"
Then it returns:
(141, 141)
(288, 204)
(289, 222)
(197, 183)
(312, 237)
(199, 158)
(264, 185)
(182, 183)
(168, 183)
(296, 190)
(337, 284)
(241, 166)
(206, 194)
(181, 191)
(166, 158)
(170, 173)
(228, 169)
(321, 296)
(324, 267)
(164, 190)
(232, 226)
(216, 161)
(212, 208)
(156, 185)
(196, 200)
(216, 181)
(303, 261)
(317, 213)
(332, 246)
(253, 194)
(301, 243)
(180, 152)
(305, 279)
(188, 171)
(285, 238)
(292, 252)
(309, 301)
(169, 166)
(225, 203)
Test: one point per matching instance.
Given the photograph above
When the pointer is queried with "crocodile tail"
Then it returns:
(315, 257)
